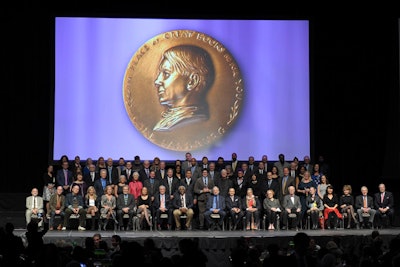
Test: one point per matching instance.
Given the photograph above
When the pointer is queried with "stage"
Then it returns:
(218, 245)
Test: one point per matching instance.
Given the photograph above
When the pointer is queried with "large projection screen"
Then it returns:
(227, 86)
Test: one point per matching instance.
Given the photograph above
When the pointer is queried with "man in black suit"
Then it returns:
(65, 177)
(91, 176)
(125, 205)
(152, 184)
(162, 205)
(170, 182)
(100, 184)
(183, 205)
(112, 172)
(270, 183)
(234, 208)
(383, 202)
(215, 205)
(364, 205)
(284, 182)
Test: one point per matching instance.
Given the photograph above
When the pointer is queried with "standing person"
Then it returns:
(281, 164)
(34, 207)
(364, 204)
(65, 177)
(202, 189)
(49, 187)
(384, 204)
(74, 204)
(56, 207)
(284, 182)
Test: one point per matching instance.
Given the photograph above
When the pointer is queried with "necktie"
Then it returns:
(269, 183)
(188, 181)
(147, 172)
(182, 202)
(216, 202)
(128, 172)
(58, 205)
(92, 173)
(284, 185)
(205, 181)
(34, 202)
(126, 199)
(162, 201)
(365, 202)
(66, 177)
(170, 186)
(382, 197)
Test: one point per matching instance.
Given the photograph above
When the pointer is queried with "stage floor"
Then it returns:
(218, 244)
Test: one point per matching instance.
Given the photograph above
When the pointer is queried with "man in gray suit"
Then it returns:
(292, 205)
(34, 207)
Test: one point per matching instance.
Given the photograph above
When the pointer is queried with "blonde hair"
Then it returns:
(94, 192)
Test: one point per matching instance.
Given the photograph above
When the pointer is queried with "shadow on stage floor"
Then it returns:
(218, 244)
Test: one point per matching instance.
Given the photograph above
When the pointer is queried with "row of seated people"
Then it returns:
(196, 187)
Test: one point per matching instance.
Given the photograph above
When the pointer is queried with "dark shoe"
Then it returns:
(177, 228)
(358, 226)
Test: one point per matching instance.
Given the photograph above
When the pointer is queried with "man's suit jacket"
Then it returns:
(69, 200)
(39, 203)
(114, 175)
(388, 200)
(99, 187)
(60, 178)
(196, 172)
(177, 201)
(274, 186)
(189, 187)
(130, 203)
(157, 201)
(174, 185)
(359, 202)
(152, 188)
(290, 181)
(221, 202)
(199, 186)
(288, 204)
(53, 202)
(129, 177)
(215, 177)
(88, 178)
(235, 203)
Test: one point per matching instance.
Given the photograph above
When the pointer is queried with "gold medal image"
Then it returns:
(183, 90)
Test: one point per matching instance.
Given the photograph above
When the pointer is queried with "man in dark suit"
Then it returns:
(112, 172)
(234, 207)
(65, 177)
(152, 184)
(212, 172)
(91, 176)
(215, 205)
(100, 184)
(125, 205)
(240, 184)
(202, 189)
(128, 172)
(269, 183)
(144, 172)
(170, 182)
(188, 182)
(183, 205)
(364, 205)
(195, 168)
(384, 202)
(162, 205)
(284, 182)
(292, 205)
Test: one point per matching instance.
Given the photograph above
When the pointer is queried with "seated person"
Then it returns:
(144, 208)
(92, 205)
(331, 205)
(292, 205)
(126, 204)
(252, 207)
(315, 207)
(272, 207)
(384, 206)
(34, 207)
(215, 205)
(234, 206)
(346, 203)
(183, 205)
(108, 205)
(162, 205)
(56, 207)
(74, 204)
(364, 205)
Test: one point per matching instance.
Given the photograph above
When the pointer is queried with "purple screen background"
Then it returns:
(91, 57)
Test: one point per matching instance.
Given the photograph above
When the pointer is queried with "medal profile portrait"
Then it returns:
(183, 90)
